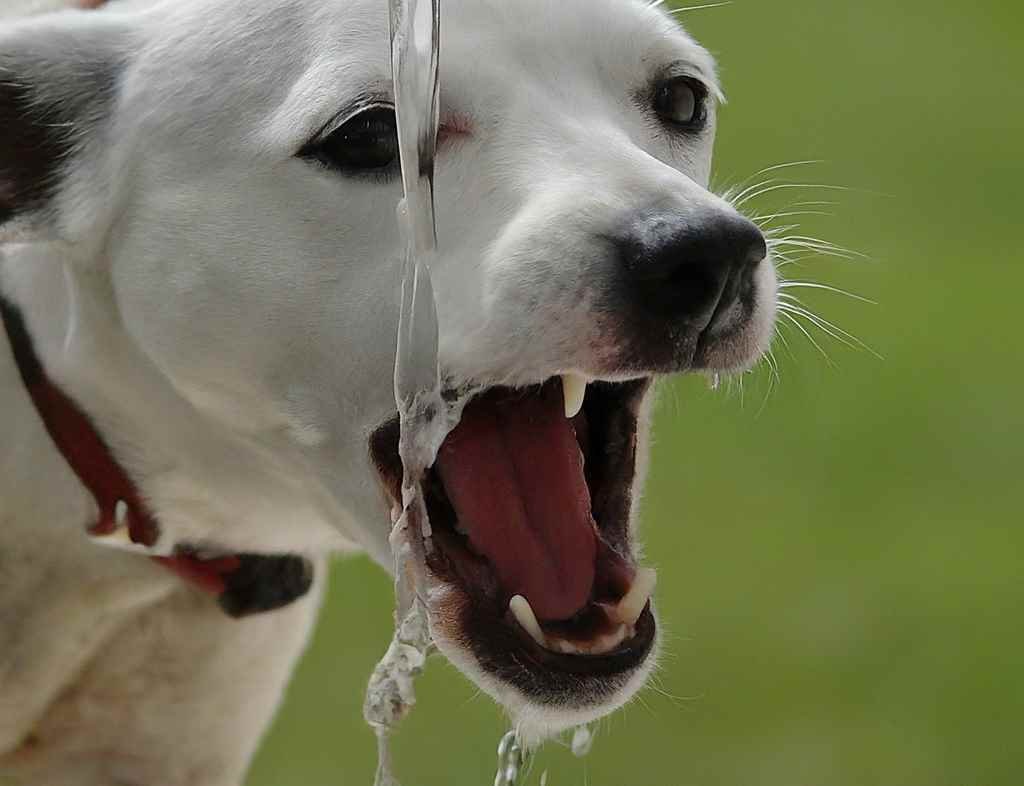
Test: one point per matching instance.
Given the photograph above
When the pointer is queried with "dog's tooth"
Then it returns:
(600, 645)
(566, 647)
(610, 641)
(523, 612)
(629, 609)
(574, 390)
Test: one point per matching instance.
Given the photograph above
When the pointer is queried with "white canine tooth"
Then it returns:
(523, 612)
(121, 513)
(574, 390)
(629, 609)
(566, 647)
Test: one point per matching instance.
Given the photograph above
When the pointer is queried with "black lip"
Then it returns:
(506, 651)
(499, 644)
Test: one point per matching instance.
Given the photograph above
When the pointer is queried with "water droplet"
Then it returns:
(582, 742)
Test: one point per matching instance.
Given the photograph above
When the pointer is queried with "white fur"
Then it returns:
(225, 312)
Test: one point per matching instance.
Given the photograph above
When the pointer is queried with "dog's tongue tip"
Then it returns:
(513, 472)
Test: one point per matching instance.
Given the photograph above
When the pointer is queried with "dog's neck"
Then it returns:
(238, 581)
(74, 435)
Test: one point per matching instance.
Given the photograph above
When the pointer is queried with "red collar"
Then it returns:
(243, 583)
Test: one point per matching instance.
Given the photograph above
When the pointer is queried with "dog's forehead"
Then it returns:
(611, 44)
(284, 68)
(598, 33)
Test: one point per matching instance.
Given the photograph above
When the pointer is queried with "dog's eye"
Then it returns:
(681, 102)
(366, 143)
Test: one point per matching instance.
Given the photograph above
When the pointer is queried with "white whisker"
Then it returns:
(739, 197)
(793, 321)
(729, 194)
(764, 221)
(785, 186)
(825, 326)
(785, 342)
(790, 165)
(793, 260)
(678, 11)
(816, 203)
(826, 244)
(826, 288)
(773, 364)
(816, 322)
(773, 378)
(823, 250)
(782, 230)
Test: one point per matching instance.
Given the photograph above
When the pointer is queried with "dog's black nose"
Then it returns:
(683, 267)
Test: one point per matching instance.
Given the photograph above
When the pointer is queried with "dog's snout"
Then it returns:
(690, 268)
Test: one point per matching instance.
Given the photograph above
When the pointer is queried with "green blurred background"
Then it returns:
(841, 559)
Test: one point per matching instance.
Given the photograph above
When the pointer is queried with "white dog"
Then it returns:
(199, 280)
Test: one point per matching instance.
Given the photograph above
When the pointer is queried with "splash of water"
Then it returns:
(582, 742)
(510, 760)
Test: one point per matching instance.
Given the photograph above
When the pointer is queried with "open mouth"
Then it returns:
(529, 502)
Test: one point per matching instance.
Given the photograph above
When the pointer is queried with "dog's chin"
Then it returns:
(542, 700)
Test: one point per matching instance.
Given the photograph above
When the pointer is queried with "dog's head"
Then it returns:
(221, 178)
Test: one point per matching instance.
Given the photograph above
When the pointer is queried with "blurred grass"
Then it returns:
(841, 560)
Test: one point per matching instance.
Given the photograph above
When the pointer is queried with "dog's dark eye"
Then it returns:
(366, 143)
(681, 102)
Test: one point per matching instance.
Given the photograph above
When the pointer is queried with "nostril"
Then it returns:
(683, 266)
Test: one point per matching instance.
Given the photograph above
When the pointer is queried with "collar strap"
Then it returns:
(243, 583)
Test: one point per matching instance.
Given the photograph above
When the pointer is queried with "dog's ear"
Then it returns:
(58, 77)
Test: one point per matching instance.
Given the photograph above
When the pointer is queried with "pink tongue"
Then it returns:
(513, 472)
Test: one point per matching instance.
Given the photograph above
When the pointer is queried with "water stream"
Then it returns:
(426, 417)
(427, 413)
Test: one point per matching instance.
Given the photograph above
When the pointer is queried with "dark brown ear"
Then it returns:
(57, 78)
(32, 146)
